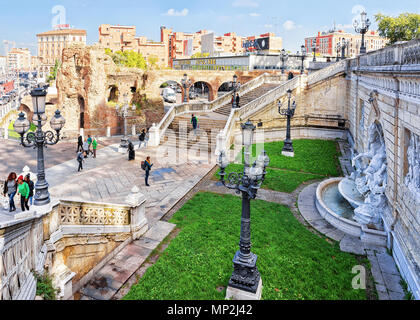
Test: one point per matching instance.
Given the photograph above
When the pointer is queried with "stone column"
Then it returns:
(133, 130)
(108, 132)
(82, 133)
(154, 138)
(6, 131)
(138, 224)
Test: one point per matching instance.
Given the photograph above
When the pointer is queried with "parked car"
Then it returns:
(169, 95)
(193, 95)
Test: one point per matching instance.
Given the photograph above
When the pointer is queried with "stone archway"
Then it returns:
(113, 94)
(29, 114)
(203, 89)
(224, 88)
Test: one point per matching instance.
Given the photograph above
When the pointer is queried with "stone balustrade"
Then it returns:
(327, 72)
(38, 238)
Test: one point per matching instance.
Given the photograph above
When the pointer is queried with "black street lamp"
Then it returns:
(338, 48)
(303, 51)
(235, 86)
(362, 27)
(39, 139)
(283, 57)
(186, 83)
(124, 113)
(344, 45)
(314, 47)
(245, 274)
(289, 113)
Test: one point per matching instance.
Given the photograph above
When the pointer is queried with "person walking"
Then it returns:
(89, 140)
(142, 137)
(23, 190)
(194, 122)
(10, 188)
(131, 152)
(238, 99)
(147, 166)
(80, 159)
(86, 148)
(233, 99)
(94, 146)
(79, 144)
(31, 186)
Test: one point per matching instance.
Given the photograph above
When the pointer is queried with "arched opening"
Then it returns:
(113, 94)
(291, 76)
(82, 112)
(225, 88)
(201, 91)
(171, 93)
(25, 109)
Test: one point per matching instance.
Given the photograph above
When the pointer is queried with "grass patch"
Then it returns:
(311, 156)
(277, 180)
(294, 263)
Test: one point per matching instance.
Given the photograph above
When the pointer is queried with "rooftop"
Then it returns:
(62, 31)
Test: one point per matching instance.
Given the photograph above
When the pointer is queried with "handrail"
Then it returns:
(207, 106)
(327, 72)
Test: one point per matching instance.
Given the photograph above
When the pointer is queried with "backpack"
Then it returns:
(143, 165)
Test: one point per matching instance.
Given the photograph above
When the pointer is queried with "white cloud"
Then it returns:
(253, 14)
(289, 25)
(245, 3)
(268, 26)
(174, 13)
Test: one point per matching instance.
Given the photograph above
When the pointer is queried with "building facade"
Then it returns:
(52, 43)
(123, 38)
(245, 62)
(326, 42)
(19, 59)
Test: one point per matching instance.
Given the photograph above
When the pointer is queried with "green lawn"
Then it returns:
(277, 179)
(314, 159)
(294, 263)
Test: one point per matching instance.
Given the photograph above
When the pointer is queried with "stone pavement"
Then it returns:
(384, 270)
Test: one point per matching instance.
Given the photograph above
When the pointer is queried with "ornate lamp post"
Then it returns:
(39, 139)
(186, 83)
(245, 276)
(283, 57)
(123, 112)
(362, 27)
(235, 86)
(314, 51)
(303, 55)
(344, 45)
(289, 113)
(338, 48)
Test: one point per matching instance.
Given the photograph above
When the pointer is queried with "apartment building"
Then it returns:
(19, 59)
(52, 43)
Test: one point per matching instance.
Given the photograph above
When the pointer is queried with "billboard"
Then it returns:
(257, 44)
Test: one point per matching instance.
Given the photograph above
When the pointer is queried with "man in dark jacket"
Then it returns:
(131, 152)
(148, 166)
(142, 136)
(80, 159)
(238, 99)
(194, 122)
(79, 144)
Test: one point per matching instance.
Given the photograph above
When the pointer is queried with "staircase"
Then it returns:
(247, 97)
(210, 124)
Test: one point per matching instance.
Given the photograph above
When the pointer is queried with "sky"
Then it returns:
(20, 21)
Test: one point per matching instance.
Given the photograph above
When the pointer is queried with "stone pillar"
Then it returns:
(137, 201)
(108, 132)
(133, 130)
(6, 131)
(154, 138)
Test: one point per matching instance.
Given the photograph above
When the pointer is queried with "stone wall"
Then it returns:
(88, 78)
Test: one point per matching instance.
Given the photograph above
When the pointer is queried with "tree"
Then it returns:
(53, 74)
(405, 27)
(153, 60)
(130, 59)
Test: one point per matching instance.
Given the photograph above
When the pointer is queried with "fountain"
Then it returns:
(356, 203)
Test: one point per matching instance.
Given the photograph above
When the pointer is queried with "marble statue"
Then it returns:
(412, 179)
(371, 178)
